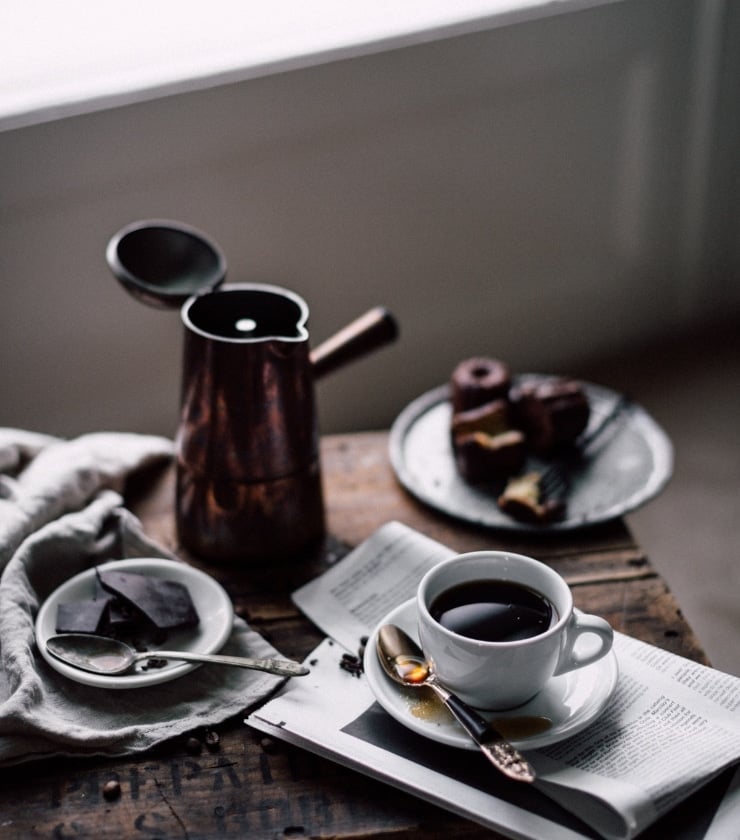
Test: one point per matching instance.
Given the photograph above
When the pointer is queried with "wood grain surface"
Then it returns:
(250, 786)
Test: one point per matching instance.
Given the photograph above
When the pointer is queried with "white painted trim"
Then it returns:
(66, 59)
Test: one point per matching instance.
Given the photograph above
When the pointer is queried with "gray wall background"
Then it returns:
(548, 193)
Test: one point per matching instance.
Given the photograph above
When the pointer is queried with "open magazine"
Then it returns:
(669, 729)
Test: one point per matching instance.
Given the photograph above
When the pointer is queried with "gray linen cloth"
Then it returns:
(61, 512)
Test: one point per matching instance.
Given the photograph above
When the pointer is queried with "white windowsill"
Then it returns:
(64, 59)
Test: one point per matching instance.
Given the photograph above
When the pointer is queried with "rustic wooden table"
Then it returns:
(252, 787)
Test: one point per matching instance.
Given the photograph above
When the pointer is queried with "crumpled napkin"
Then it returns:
(61, 512)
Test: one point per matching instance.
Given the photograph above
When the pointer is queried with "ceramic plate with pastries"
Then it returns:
(528, 452)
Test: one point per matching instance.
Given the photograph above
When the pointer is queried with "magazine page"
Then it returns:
(670, 727)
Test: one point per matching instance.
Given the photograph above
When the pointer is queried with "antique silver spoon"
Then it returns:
(404, 662)
(102, 655)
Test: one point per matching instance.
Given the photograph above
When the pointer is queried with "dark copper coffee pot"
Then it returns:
(248, 471)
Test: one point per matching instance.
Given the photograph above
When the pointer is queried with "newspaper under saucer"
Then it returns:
(571, 701)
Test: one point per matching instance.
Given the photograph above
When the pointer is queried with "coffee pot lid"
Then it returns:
(163, 263)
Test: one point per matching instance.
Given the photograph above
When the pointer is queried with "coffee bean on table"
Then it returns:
(112, 789)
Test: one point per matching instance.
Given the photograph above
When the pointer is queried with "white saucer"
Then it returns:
(213, 605)
(571, 701)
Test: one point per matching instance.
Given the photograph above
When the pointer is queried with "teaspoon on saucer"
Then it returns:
(102, 655)
(404, 662)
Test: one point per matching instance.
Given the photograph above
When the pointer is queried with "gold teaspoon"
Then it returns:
(404, 662)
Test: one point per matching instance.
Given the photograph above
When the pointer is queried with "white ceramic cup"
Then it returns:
(502, 675)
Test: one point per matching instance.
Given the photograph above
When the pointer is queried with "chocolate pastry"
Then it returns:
(492, 418)
(482, 457)
(485, 445)
(551, 412)
(523, 499)
(477, 381)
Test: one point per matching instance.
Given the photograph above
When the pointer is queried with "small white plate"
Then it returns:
(571, 701)
(213, 605)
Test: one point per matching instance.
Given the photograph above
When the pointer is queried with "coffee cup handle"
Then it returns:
(582, 624)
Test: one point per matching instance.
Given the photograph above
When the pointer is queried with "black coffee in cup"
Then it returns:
(493, 611)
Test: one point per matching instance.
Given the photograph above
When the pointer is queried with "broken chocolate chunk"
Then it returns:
(135, 608)
(165, 603)
(82, 616)
(122, 618)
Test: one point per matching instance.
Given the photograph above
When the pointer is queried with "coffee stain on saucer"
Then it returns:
(425, 706)
(525, 726)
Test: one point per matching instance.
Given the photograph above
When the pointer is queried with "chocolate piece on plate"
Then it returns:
(86, 616)
(123, 618)
(165, 603)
